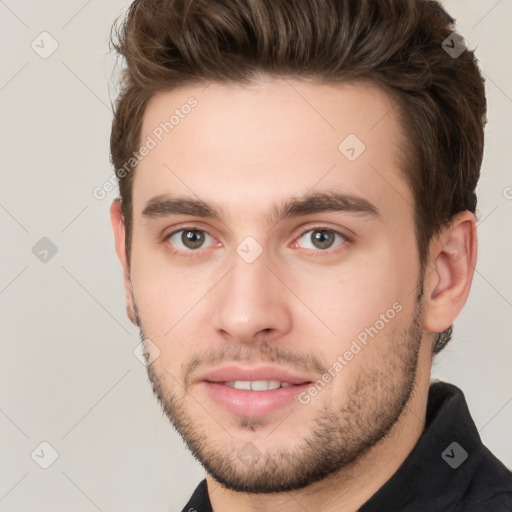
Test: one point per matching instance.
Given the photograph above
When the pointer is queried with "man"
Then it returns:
(297, 233)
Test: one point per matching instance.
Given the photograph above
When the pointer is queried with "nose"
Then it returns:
(252, 303)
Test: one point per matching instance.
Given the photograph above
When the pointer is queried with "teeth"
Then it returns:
(264, 385)
(258, 385)
(242, 384)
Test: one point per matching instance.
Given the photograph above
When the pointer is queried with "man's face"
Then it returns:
(306, 278)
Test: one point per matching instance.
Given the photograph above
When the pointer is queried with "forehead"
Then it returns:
(247, 147)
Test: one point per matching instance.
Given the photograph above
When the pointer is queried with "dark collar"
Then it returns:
(449, 469)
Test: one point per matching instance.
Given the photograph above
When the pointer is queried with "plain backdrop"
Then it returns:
(68, 374)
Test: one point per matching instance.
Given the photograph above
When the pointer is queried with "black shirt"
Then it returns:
(449, 469)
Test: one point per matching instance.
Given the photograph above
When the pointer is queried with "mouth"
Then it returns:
(253, 392)
(258, 385)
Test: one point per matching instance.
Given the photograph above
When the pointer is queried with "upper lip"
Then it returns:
(232, 373)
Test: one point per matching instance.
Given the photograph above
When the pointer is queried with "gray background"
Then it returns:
(68, 374)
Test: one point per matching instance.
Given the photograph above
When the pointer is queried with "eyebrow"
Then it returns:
(166, 205)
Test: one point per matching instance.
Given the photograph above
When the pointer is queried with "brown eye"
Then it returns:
(192, 239)
(321, 239)
(188, 239)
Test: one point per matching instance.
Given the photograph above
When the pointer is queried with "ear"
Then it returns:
(450, 271)
(117, 220)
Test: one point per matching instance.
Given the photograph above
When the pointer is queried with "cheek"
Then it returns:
(353, 296)
(366, 302)
(159, 292)
(169, 300)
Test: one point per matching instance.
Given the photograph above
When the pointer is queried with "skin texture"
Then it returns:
(300, 304)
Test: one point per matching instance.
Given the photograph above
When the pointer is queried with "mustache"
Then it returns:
(263, 352)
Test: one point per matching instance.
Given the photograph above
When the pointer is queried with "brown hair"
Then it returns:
(395, 44)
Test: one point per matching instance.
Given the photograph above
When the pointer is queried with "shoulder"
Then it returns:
(490, 486)
(499, 503)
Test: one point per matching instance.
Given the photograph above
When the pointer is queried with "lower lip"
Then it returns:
(254, 404)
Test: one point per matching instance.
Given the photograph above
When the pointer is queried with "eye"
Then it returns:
(188, 239)
(321, 238)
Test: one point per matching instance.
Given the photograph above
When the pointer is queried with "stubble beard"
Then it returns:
(338, 437)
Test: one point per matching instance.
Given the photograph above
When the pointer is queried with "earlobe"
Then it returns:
(451, 269)
(118, 226)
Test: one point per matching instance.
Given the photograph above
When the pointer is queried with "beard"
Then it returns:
(340, 433)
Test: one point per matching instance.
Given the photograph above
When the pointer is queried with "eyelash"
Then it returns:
(311, 252)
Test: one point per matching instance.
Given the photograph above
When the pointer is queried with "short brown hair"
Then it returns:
(395, 44)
